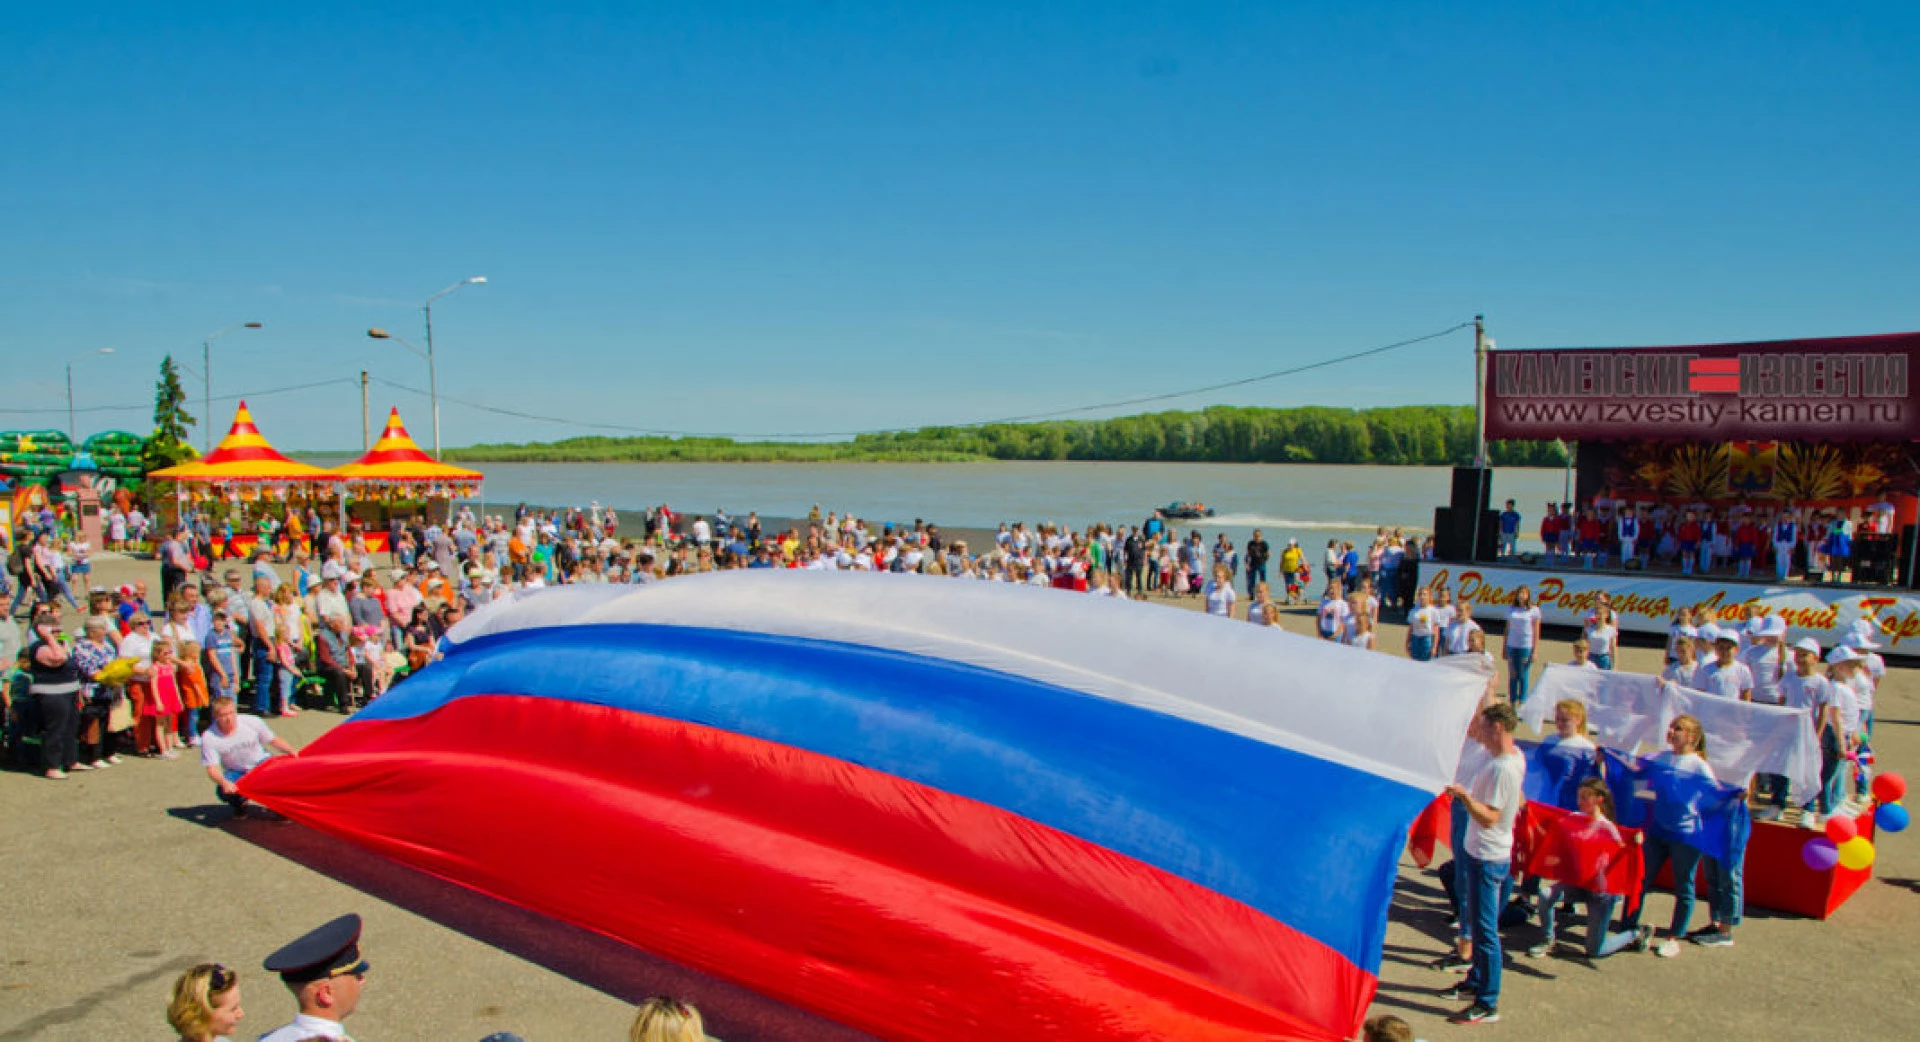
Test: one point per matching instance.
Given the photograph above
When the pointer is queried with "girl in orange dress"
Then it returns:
(163, 698)
(192, 680)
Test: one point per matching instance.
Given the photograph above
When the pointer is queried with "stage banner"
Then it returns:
(1835, 389)
(1647, 603)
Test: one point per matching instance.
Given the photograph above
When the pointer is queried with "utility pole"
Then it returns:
(1480, 391)
(1481, 478)
(366, 417)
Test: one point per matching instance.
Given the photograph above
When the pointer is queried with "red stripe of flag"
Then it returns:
(1714, 367)
(1714, 384)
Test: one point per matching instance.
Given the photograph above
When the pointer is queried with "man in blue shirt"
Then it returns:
(1509, 530)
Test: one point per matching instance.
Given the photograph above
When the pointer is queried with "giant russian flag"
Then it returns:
(927, 808)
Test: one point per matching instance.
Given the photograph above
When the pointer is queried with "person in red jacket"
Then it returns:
(1689, 535)
(1746, 545)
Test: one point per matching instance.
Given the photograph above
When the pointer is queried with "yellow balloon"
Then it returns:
(1856, 853)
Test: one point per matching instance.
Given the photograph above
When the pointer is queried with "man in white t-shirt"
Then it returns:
(233, 746)
(1492, 802)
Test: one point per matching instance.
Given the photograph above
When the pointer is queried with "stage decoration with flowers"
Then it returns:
(1788, 472)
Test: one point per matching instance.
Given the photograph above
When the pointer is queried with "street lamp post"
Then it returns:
(377, 333)
(433, 384)
(73, 429)
(206, 378)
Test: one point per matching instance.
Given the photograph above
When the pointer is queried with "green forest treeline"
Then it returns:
(1407, 435)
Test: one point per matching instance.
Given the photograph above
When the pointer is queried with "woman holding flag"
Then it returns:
(1581, 851)
(1674, 815)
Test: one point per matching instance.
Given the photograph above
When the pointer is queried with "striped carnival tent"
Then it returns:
(397, 459)
(922, 808)
(244, 456)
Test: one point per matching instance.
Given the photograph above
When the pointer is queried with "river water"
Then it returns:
(1312, 503)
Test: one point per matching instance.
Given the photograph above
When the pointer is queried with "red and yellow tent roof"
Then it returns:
(244, 455)
(397, 457)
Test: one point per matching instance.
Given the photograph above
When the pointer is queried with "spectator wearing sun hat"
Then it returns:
(1873, 668)
(1766, 657)
(1726, 676)
(1835, 721)
(329, 600)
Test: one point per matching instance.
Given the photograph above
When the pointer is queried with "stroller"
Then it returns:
(1297, 582)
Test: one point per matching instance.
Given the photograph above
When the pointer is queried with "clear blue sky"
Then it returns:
(832, 216)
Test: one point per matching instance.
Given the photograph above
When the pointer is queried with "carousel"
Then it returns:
(244, 479)
(396, 478)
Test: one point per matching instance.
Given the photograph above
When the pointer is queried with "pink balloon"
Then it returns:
(1820, 854)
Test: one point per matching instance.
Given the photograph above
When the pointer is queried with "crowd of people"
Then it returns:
(1747, 660)
(232, 644)
(1699, 539)
(331, 626)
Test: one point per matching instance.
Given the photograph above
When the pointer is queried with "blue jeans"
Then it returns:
(1726, 891)
(1773, 788)
(236, 801)
(1601, 941)
(1832, 772)
(1457, 837)
(1686, 861)
(263, 671)
(1519, 664)
(1480, 905)
(1420, 648)
(1256, 574)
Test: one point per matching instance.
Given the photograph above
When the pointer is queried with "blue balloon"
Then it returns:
(1891, 817)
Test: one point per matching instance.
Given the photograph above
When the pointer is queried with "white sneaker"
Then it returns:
(81, 767)
(1667, 949)
(115, 758)
(1809, 821)
(99, 765)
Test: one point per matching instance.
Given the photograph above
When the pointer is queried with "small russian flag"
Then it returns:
(1714, 376)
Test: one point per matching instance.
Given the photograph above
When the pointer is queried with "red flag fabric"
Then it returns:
(1572, 848)
(1430, 830)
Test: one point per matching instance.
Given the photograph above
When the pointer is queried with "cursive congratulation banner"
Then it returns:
(1647, 603)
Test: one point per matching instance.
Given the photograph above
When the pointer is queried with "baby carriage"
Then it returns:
(1297, 582)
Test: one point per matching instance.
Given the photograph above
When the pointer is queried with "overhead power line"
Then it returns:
(146, 406)
(1029, 418)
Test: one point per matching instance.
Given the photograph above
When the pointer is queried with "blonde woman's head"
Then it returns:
(662, 1019)
(206, 1002)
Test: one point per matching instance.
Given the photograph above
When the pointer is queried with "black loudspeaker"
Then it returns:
(1449, 543)
(1906, 574)
(1873, 558)
(1472, 489)
(1487, 550)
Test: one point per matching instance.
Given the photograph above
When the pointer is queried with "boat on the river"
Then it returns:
(1182, 511)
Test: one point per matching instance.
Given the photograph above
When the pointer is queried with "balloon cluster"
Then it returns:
(1888, 791)
(1843, 845)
